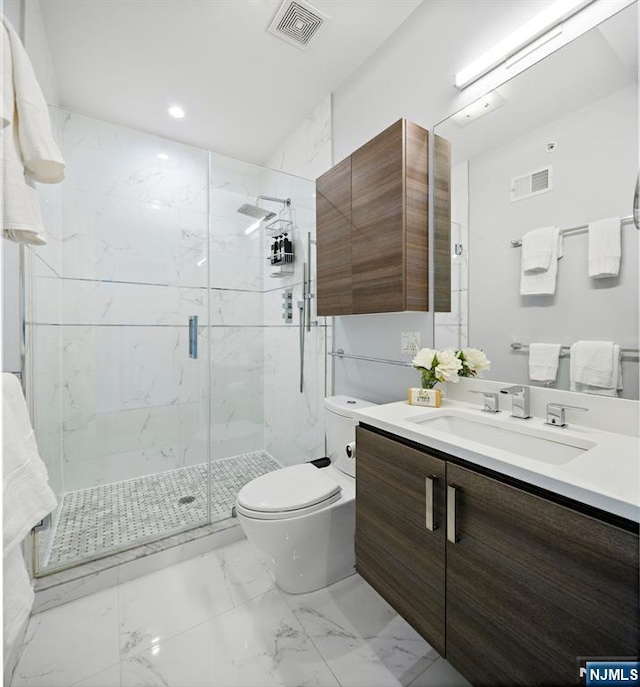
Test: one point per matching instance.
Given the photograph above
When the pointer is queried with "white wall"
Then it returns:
(26, 18)
(587, 187)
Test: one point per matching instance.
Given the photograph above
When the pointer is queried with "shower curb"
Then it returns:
(68, 585)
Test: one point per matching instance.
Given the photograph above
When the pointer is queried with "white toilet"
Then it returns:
(303, 517)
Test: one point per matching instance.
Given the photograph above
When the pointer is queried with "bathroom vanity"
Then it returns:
(507, 564)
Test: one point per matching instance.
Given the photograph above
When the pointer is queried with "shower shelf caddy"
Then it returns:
(285, 264)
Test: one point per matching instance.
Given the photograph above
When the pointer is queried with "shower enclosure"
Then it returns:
(159, 369)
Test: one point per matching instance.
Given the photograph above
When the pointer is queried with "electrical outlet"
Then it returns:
(409, 343)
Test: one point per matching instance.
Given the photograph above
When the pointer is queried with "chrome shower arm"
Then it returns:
(285, 201)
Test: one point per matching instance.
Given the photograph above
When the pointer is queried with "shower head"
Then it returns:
(260, 213)
(256, 211)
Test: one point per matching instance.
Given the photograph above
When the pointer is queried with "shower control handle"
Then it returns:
(193, 336)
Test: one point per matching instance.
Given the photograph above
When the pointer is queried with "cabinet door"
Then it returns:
(378, 240)
(333, 229)
(532, 585)
(395, 551)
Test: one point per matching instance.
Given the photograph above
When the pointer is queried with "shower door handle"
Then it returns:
(193, 336)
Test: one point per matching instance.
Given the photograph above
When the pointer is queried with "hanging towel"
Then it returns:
(40, 155)
(543, 362)
(537, 248)
(17, 597)
(595, 368)
(605, 248)
(29, 152)
(543, 283)
(27, 497)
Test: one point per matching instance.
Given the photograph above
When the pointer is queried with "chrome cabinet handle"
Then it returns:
(451, 513)
(193, 336)
(429, 503)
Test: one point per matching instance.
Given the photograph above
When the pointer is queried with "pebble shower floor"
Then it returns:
(113, 516)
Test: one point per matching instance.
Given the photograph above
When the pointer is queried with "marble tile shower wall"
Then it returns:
(294, 419)
(256, 368)
(140, 241)
(451, 330)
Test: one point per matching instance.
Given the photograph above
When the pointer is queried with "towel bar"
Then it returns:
(516, 243)
(341, 354)
(565, 350)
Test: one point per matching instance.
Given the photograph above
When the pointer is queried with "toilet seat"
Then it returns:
(288, 493)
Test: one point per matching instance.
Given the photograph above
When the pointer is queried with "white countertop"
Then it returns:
(606, 476)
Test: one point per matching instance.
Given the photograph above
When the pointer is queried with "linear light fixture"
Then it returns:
(548, 19)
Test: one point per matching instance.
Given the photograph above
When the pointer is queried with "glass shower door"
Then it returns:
(118, 303)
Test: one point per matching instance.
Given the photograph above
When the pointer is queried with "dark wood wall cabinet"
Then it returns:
(372, 227)
(511, 587)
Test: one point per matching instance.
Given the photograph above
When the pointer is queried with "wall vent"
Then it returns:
(532, 184)
(297, 22)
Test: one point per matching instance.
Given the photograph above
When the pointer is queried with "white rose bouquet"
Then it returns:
(447, 365)
(473, 361)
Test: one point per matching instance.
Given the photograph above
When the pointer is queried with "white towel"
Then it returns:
(605, 248)
(537, 248)
(29, 152)
(17, 597)
(596, 368)
(543, 283)
(27, 497)
(543, 362)
(41, 157)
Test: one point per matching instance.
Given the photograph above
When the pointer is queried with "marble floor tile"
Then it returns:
(70, 643)
(362, 639)
(156, 607)
(217, 620)
(257, 644)
(440, 674)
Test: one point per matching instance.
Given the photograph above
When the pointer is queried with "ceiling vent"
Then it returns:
(532, 184)
(297, 22)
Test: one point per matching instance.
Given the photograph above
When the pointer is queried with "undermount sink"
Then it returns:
(530, 442)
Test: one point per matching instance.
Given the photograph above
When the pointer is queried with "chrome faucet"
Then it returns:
(519, 401)
(490, 401)
(556, 416)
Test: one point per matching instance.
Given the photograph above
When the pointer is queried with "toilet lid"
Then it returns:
(292, 488)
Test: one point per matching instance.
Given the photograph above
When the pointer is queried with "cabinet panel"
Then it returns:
(395, 552)
(417, 217)
(442, 225)
(378, 223)
(333, 213)
(532, 585)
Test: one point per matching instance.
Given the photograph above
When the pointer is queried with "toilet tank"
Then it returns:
(340, 427)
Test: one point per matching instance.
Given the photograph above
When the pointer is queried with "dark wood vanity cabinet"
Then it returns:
(400, 495)
(530, 584)
(372, 226)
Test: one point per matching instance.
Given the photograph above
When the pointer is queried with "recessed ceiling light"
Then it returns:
(163, 156)
(176, 111)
